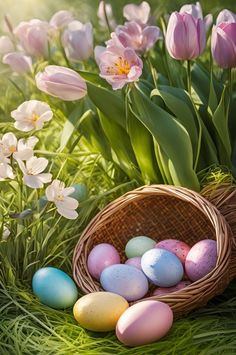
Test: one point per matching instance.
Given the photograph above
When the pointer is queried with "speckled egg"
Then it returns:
(201, 259)
(144, 323)
(137, 246)
(136, 262)
(100, 257)
(162, 267)
(125, 280)
(99, 311)
(179, 248)
(54, 288)
(162, 291)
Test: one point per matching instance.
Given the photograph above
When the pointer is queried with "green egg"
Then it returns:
(137, 246)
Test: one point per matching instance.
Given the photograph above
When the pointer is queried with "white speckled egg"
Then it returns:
(201, 259)
(125, 280)
(179, 248)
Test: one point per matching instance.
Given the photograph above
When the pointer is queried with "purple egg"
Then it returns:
(162, 291)
(201, 259)
(136, 262)
(100, 257)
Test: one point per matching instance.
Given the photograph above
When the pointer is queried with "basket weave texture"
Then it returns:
(164, 212)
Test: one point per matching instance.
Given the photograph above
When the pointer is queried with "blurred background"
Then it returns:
(86, 9)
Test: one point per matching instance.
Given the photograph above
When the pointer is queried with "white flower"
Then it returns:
(31, 115)
(8, 144)
(32, 171)
(57, 193)
(5, 233)
(5, 168)
(25, 148)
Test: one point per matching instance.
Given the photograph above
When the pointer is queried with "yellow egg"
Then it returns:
(99, 311)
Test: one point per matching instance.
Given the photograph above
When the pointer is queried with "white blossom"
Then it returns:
(31, 115)
(57, 193)
(5, 234)
(25, 148)
(5, 168)
(33, 172)
(8, 144)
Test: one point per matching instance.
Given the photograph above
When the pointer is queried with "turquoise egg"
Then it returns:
(42, 202)
(54, 288)
(80, 193)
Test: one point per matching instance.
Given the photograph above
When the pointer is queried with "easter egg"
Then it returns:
(137, 246)
(125, 280)
(144, 323)
(162, 291)
(80, 193)
(99, 311)
(42, 202)
(54, 288)
(177, 247)
(136, 262)
(162, 267)
(100, 257)
(201, 259)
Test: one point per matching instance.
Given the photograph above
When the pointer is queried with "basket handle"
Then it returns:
(223, 196)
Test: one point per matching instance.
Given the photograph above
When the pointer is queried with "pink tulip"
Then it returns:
(33, 37)
(223, 44)
(61, 18)
(138, 13)
(185, 36)
(119, 65)
(61, 82)
(18, 62)
(6, 45)
(141, 39)
(77, 40)
(225, 16)
(196, 11)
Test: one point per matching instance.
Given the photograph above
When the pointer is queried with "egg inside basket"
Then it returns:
(166, 212)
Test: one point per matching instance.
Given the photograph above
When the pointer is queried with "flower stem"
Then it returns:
(106, 17)
(230, 82)
(189, 76)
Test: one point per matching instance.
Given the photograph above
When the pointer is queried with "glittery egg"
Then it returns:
(162, 267)
(201, 259)
(125, 280)
(179, 248)
(100, 257)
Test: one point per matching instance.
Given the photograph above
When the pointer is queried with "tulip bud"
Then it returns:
(6, 45)
(18, 62)
(138, 13)
(33, 37)
(102, 16)
(223, 44)
(78, 41)
(225, 16)
(61, 19)
(196, 11)
(185, 36)
(61, 82)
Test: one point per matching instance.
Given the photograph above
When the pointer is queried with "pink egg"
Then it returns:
(177, 247)
(136, 262)
(161, 291)
(144, 323)
(100, 257)
(201, 259)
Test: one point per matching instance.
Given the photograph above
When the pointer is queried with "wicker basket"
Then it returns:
(161, 212)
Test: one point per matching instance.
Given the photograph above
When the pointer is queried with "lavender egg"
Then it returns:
(136, 262)
(162, 267)
(100, 257)
(124, 280)
(201, 259)
(162, 291)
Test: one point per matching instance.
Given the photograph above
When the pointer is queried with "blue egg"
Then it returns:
(54, 288)
(162, 267)
(125, 280)
(80, 193)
